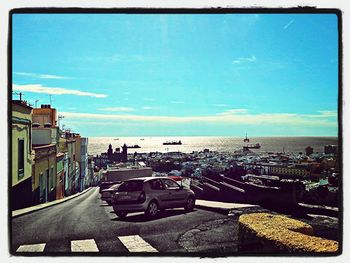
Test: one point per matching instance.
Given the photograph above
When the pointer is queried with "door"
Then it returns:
(176, 196)
(158, 191)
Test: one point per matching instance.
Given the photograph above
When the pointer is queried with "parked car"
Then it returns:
(107, 194)
(151, 194)
(106, 185)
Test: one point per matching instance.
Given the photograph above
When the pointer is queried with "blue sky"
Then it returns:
(164, 75)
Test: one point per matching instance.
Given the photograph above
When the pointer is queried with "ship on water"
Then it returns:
(172, 142)
(133, 146)
(248, 146)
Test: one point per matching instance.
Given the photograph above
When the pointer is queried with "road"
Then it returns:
(87, 224)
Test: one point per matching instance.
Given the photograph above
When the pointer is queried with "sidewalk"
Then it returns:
(220, 207)
(44, 205)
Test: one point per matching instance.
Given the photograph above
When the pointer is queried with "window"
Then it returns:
(131, 186)
(156, 185)
(20, 158)
(169, 184)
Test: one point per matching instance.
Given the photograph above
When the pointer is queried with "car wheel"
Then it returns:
(152, 209)
(121, 214)
(190, 202)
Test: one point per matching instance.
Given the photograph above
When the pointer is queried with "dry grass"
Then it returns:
(286, 233)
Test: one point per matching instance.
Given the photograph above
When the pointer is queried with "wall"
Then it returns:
(47, 160)
(43, 136)
(43, 115)
(60, 178)
(20, 115)
(124, 174)
(21, 194)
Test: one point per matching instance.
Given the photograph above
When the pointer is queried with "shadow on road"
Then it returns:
(143, 218)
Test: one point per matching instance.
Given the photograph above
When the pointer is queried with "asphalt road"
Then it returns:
(90, 221)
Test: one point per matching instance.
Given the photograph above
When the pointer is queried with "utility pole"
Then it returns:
(36, 103)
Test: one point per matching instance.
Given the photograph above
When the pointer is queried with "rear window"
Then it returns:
(131, 186)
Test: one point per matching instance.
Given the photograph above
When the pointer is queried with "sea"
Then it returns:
(97, 145)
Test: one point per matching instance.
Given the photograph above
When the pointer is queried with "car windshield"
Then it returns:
(115, 186)
(131, 186)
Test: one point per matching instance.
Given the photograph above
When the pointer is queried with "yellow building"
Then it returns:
(44, 173)
(21, 146)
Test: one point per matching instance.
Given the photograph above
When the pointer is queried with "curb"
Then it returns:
(220, 210)
(27, 210)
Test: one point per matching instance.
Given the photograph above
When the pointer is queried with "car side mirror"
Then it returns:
(181, 187)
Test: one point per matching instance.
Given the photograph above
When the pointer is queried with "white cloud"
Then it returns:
(244, 60)
(233, 111)
(236, 117)
(125, 109)
(40, 76)
(38, 88)
(150, 108)
(288, 24)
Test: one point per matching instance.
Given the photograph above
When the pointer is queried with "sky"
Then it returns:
(181, 75)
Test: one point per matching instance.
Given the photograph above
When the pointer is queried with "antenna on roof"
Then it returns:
(36, 103)
(20, 94)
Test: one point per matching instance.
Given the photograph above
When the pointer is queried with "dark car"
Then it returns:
(106, 185)
(107, 194)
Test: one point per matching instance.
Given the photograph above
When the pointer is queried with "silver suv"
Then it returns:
(151, 194)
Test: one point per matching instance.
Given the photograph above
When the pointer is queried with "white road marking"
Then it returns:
(136, 244)
(32, 248)
(87, 245)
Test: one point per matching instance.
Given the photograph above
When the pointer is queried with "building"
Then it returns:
(82, 159)
(291, 172)
(67, 145)
(44, 173)
(124, 173)
(60, 177)
(21, 179)
(45, 116)
(309, 150)
(45, 132)
(91, 178)
(330, 149)
(117, 156)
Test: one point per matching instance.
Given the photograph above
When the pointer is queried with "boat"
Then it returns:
(133, 146)
(252, 146)
(248, 146)
(172, 142)
(246, 138)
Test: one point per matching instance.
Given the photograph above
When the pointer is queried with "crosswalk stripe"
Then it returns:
(31, 248)
(87, 245)
(136, 244)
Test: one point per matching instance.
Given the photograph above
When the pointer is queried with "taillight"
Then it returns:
(142, 197)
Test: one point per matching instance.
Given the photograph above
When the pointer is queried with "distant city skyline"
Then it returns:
(181, 75)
